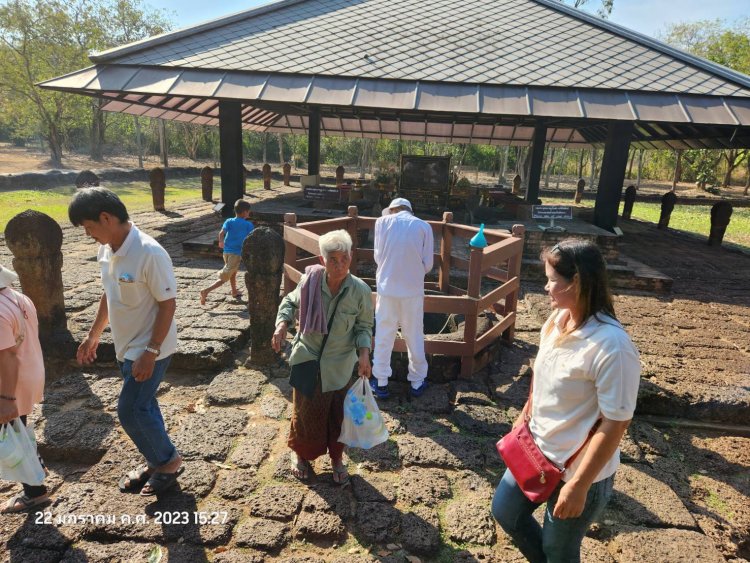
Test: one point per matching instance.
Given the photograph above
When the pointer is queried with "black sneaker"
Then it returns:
(378, 391)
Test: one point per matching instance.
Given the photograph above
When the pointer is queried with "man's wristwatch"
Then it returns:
(153, 350)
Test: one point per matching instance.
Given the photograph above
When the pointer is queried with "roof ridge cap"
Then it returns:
(694, 60)
(273, 5)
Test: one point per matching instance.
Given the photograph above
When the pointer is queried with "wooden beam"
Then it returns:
(612, 176)
(539, 140)
(305, 240)
(230, 154)
(488, 337)
(499, 292)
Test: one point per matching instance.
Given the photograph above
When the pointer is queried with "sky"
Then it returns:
(650, 17)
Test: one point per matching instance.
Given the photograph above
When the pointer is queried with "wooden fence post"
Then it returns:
(514, 270)
(446, 244)
(351, 226)
(290, 253)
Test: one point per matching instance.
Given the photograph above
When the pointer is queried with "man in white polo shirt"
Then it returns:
(403, 252)
(138, 303)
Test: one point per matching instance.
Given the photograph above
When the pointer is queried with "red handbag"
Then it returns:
(537, 476)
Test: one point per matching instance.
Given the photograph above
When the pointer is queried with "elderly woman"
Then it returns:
(327, 297)
(585, 386)
(21, 373)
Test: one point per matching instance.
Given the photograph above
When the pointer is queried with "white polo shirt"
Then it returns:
(135, 279)
(404, 249)
(592, 372)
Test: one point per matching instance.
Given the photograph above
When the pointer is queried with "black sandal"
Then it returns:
(160, 482)
(134, 481)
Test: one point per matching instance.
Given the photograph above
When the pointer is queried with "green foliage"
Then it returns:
(41, 39)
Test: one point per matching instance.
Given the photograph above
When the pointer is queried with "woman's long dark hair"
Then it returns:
(577, 256)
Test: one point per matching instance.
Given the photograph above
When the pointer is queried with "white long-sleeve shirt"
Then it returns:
(403, 252)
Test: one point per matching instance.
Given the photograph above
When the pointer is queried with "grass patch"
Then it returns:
(135, 195)
(694, 219)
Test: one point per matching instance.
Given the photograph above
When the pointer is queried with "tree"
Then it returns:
(712, 40)
(41, 39)
(604, 10)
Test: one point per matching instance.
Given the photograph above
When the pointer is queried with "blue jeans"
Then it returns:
(140, 416)
(559, 540)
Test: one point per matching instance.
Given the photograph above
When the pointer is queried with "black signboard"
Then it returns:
(322, 193)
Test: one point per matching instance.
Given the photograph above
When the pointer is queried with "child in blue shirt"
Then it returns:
(231, 237)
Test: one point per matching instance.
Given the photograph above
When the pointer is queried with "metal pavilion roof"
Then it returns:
(482, 71)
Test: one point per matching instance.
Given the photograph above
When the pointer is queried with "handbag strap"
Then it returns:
(527, 419)
(330, 321)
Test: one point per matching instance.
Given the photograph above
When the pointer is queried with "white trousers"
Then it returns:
(408, 313)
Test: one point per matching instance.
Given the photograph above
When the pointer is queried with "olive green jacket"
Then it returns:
(351, 330)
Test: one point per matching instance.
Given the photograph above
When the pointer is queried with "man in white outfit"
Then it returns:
(403, 252)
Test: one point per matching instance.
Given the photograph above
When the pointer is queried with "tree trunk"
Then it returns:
(264, 137)
(54, 142)
(560, 167)
(97, 131)
(730, 157)
(163, 143)
(747, 176)
(365, 157)
(549, 167)
(138, 141)
(630, 166)
(677, 169)
(580, 164)
(281, 149)
(505, 163)
(593, 168)
(640, 168)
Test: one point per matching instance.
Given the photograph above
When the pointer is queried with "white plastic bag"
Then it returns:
(19, 461)
(363, 425)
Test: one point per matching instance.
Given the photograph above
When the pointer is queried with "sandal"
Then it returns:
(134, 481)
(301, 468)
(160, 482)
(341, 475)
(22, 502)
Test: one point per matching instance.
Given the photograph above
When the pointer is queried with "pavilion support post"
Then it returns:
(230, 147)
(313, 142)
(612, 176)
(537, 160)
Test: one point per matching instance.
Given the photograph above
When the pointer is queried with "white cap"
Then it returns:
(400, 202)
(7, 277)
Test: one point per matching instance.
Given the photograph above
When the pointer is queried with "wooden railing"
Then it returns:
(500, 261)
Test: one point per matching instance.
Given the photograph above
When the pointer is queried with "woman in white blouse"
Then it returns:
(587, 370)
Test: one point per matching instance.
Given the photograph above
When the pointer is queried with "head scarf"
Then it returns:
(7, 277)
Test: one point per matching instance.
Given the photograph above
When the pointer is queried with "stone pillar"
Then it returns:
(516, 184)
(263, 256)
(35, 239)
(721, 212)
(158, 184)
(207, 183)
(287, 173)
(230, 152)
(580, 186)
(612, 174)
(627, 209)
(266, 176)
(339, 175)
(536, 160)
(87, 179)
(313, 142)
(668, 201)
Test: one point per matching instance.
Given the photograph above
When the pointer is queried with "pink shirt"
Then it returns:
(30, 386)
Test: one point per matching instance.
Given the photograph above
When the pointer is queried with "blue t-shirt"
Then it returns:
(235, 231)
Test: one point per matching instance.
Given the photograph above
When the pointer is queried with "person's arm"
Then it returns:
(8, 382)
(285, 317)
(363, 334)
(222, 234)
(428, 249)
(601, 448)
(143, 367)
(86, 353)
(617, 379)
(378, 237)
